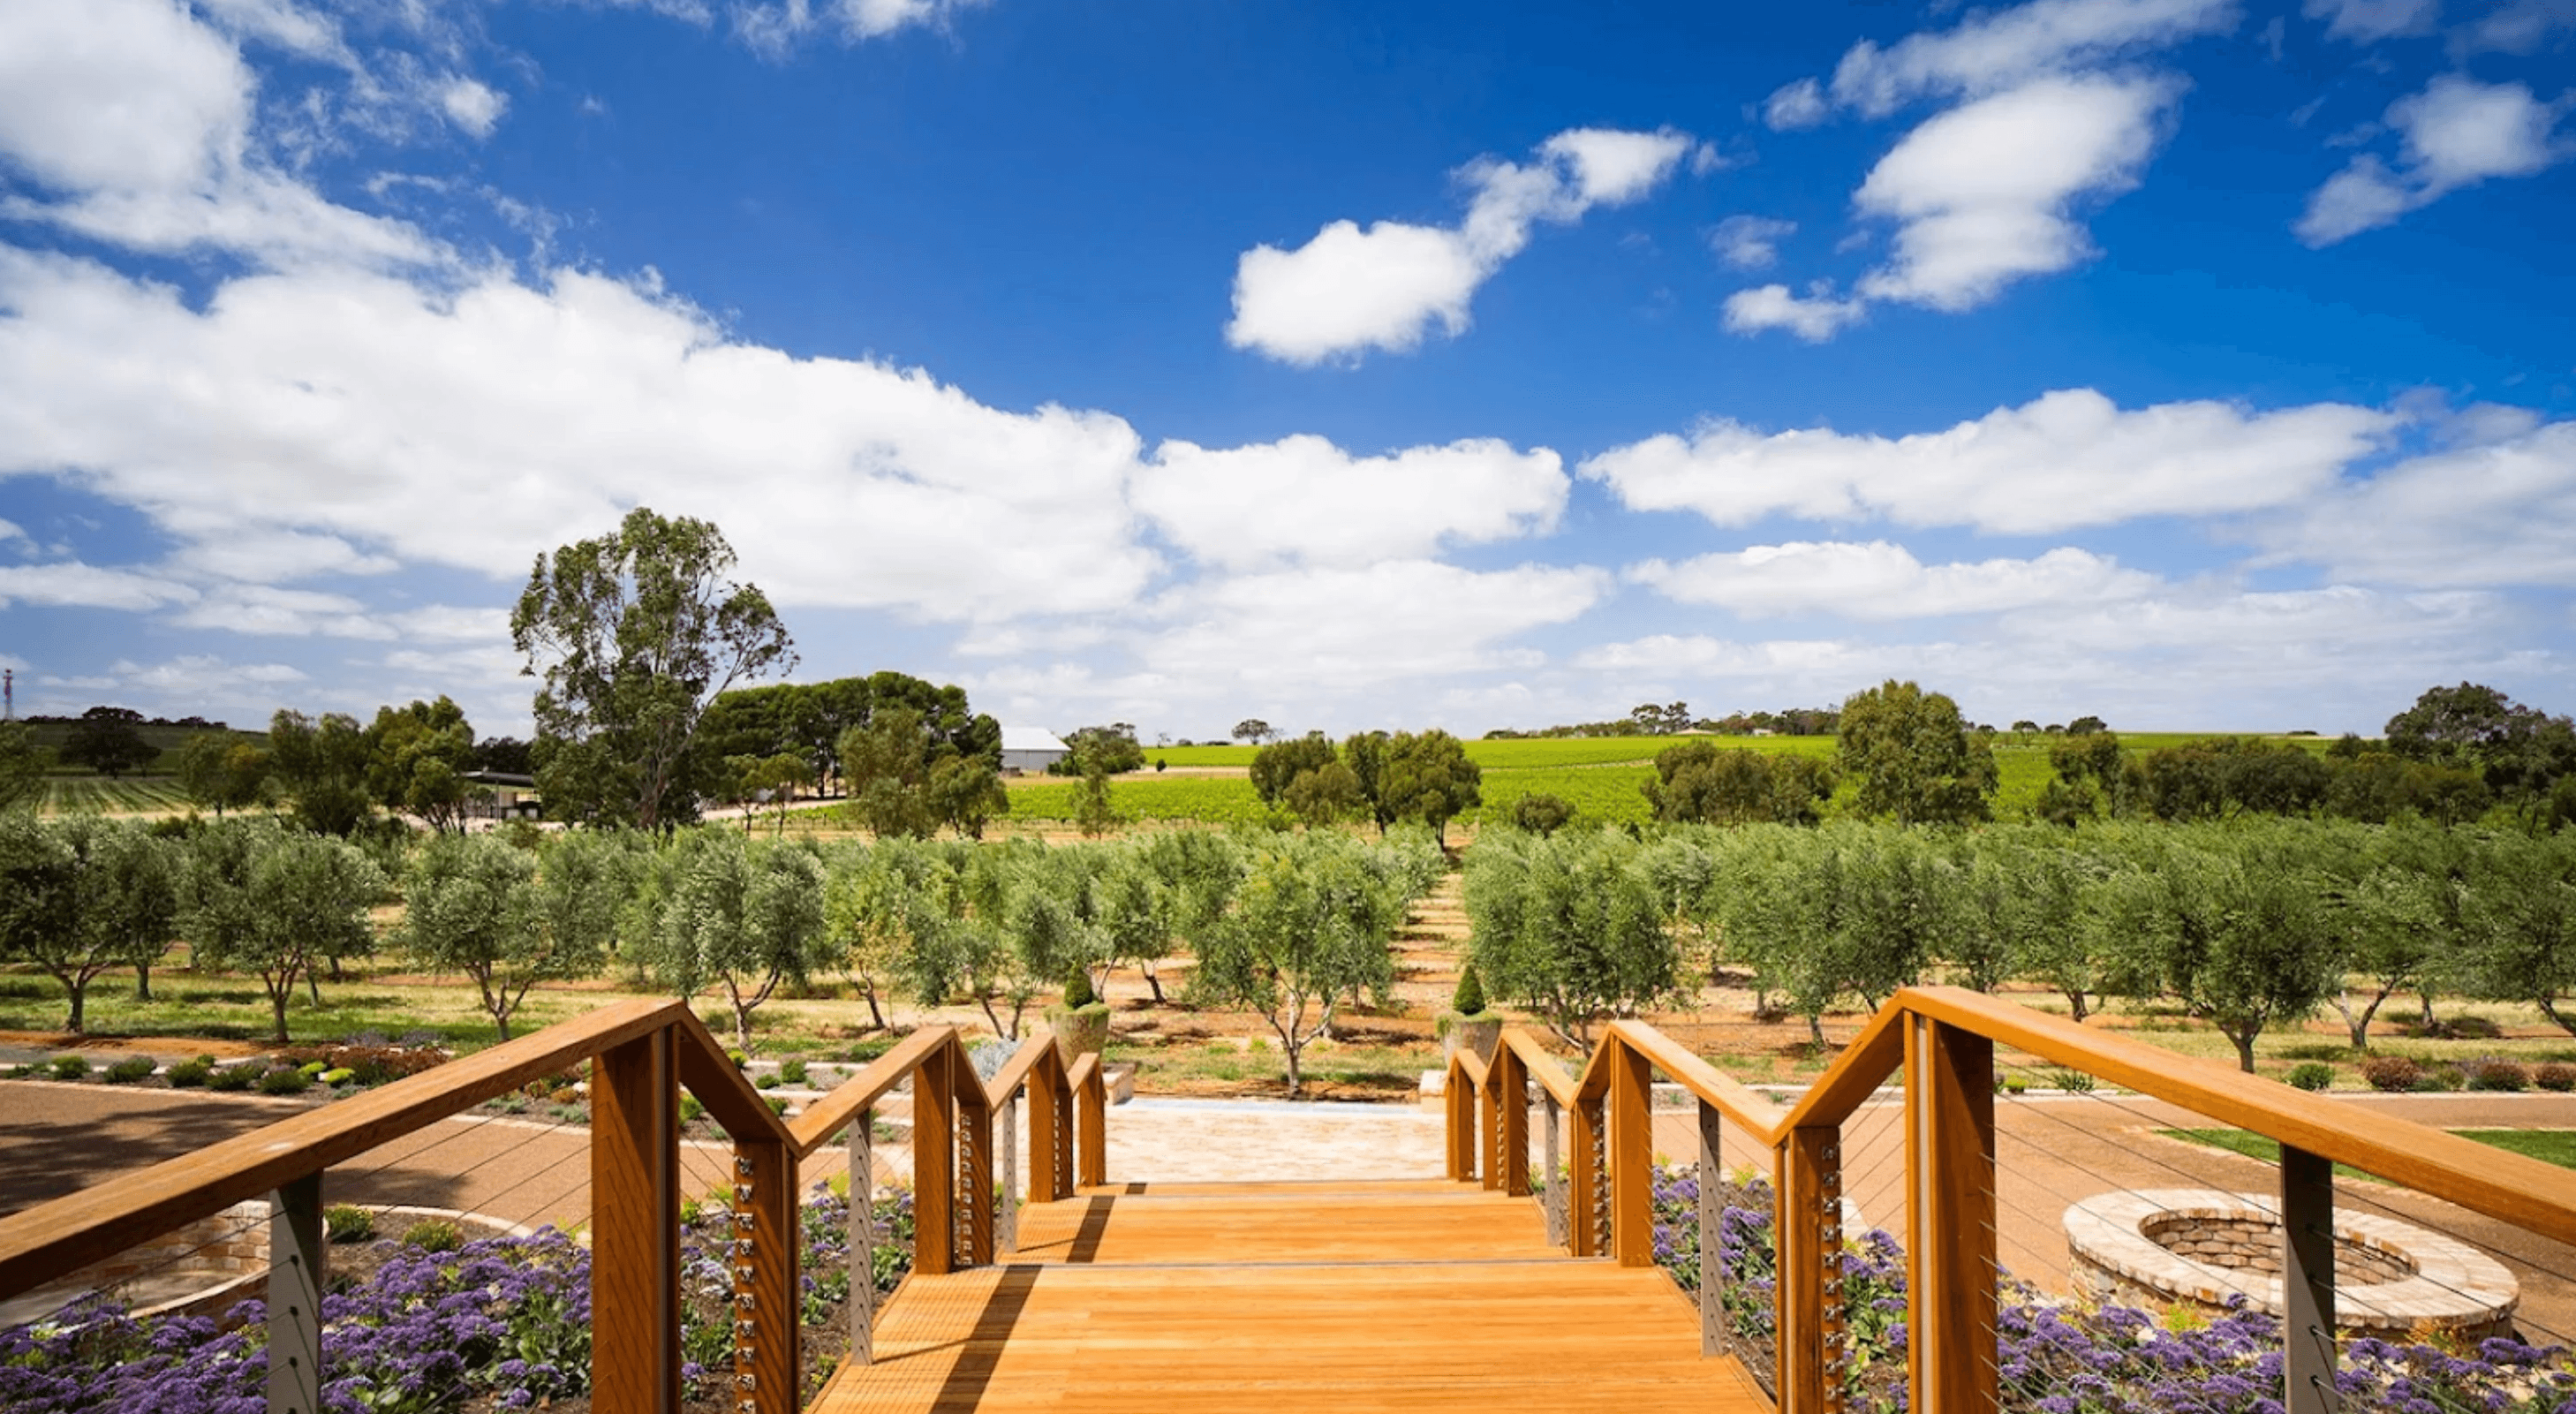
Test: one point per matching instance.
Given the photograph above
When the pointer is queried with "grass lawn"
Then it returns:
(2550, 1146)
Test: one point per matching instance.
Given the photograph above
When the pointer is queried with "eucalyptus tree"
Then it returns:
(633, 634)
(1914, 756)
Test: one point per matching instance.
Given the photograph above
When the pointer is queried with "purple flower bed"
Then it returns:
(497, 1324)
(2061, 1356)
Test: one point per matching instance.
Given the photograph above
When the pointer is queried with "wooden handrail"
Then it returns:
(1015, 1071)
(2500, 1184)
(829, 1115)
(1543, 1067)
(1754, 1112)
(57, 1238)
(1856, 1074)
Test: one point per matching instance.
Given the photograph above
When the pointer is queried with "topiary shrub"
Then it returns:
(71, 1067)
(347, 1222)
(433, 1235)
(188, 1075)
(2394, 1074)
(2554, 1075)
(2497, 1073)
(285, 1081)
(2310, 1075)
(1078, 991)
(1469, 999)
(133, 1070)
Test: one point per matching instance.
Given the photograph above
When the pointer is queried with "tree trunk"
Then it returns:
(876, 1016)
(313, 982)
(2075, 1004)
(2244, 1040)
(2427, 995)
(277, 995)
(80, 995)
(2359, 1025)
(1816, 1031)
(143, 981)
(1154, 982)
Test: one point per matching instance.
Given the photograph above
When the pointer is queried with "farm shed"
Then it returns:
(1031, 748)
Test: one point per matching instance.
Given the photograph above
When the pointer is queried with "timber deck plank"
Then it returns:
(1343, 1297)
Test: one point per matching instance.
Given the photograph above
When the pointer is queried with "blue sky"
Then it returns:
(2194, 364)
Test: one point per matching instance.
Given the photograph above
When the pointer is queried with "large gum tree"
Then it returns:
(634, 634)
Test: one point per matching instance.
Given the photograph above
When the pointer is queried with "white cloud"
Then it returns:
(136, 121)
(2069, 458)
(70, 584)
(9, 531)
(1348, 290)
(2456, 133)
(1796, 105)
(774, 28)
(472, 105)
(287, 613)
(2366, 21)
(2499, 511)
(477, 428)
(1981, 193)
(1750, 242)
(1993, 50)
(1304, 499)
(1814, 317)
(1880, 580)
(220, 546)
(2517, 27)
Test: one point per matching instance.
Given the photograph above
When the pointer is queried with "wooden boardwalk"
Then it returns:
(1402, 1296)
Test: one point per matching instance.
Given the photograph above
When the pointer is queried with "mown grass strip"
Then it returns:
(2550, 1146)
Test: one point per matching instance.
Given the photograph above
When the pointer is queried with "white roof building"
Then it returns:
(1031, 748)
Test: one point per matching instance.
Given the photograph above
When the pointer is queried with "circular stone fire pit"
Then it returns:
(2204, 1246)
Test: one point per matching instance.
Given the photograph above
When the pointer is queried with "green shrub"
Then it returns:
(2471, 1028)
(690, 1108)
(433, 1235)
(2014, 1084)
(188, 1075)
(347, 1222)
(235, 1077)
(311, 1069)
(738, 1058)
(28, 1071)
(1078, 991)
(71, 1067)
(2310, 1075)
(791, 1072)
(2497, 1073)
(2443, 1075)
(340, 1076)
(2073, 1082)
(777, 1104)
(1469, 999)
(132, 1070)
(283, 1081)
(766, 1082)
(2555, 1075)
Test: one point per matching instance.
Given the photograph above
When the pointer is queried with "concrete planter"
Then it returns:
(1079, 1031)
(1481, 1034)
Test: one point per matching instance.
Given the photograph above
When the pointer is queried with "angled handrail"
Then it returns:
(1942, 1041)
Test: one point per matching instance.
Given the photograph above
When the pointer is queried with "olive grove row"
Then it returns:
(2246, 924)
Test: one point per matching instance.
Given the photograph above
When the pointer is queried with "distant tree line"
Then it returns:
(1673, 718)
(1381, 777)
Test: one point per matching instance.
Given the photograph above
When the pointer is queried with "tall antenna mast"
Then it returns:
(8, 694)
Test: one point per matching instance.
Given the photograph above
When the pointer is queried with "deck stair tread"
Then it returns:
(1405, 1295)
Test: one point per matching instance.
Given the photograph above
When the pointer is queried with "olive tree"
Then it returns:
(2231, 924)
(272, 902)
(2521, 923)
(510, 919)
(883, 905)
(742, 915)
(633, 634)
(1312, 921)
(82, 896)
(1569, 928)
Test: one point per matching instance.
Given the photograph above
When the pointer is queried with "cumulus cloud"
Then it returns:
(2069, 458)
(1750, 242)
(2366, 21)
(2456, 133)
(134, 122)
(1880, 580)
(1348, 290)
(1815, 316)
(1992, 50)
(2518, 27)
(327, 411)
(290, 613)
(2498, 511)
(1302, 499)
